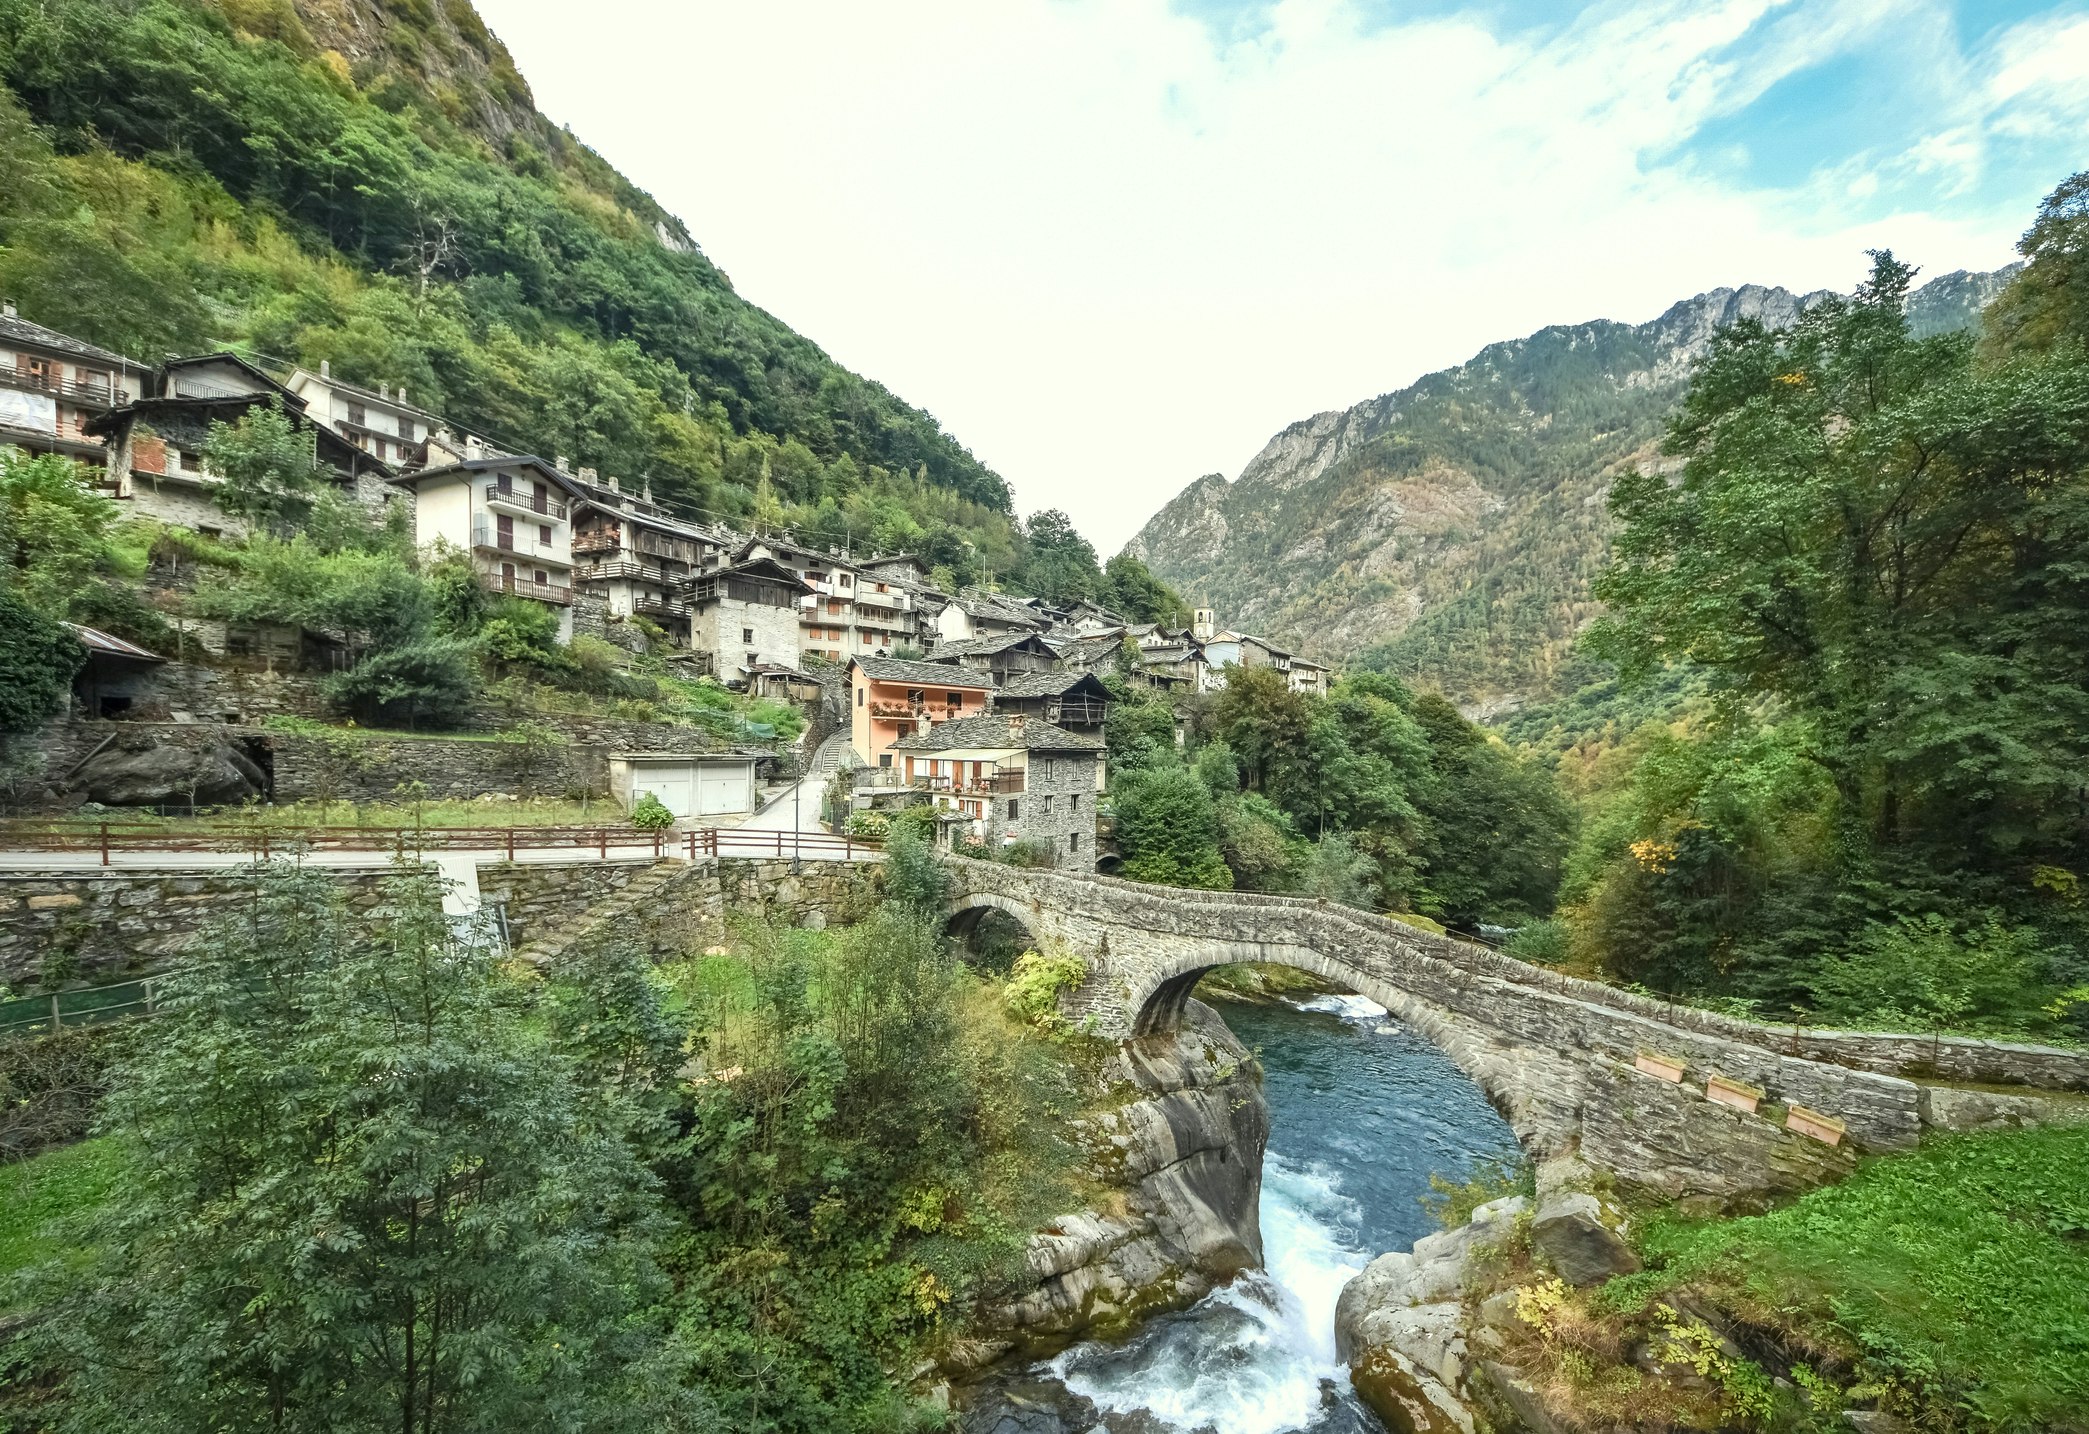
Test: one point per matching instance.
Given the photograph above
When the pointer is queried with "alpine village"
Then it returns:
(568, 862)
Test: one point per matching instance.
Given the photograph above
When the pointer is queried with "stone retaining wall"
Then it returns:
(107, 926)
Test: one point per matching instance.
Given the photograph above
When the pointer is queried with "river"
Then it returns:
(1362, 1111)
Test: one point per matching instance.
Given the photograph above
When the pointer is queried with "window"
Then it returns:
(882, 588)
(543, 578)
(544, 534)
(864, 638)
(355, 413)
(885, 760)
(1073, 803)
(1044, 806)
(747, 634)
(1073, 841)
(954, 699)
(846, 580)
(406, 428)
(1013, 808)
(859, 696)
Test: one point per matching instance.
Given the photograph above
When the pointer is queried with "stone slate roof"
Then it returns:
(20, 330)
(981, 646)
(1046, 684)
(998, 729)
(921, 674)
(994, 610)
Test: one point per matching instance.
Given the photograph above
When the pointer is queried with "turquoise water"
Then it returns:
(1362, 1112)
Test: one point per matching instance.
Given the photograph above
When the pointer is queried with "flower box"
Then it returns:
(1824, 1128)
(1736, 1093)
(1655, 1064)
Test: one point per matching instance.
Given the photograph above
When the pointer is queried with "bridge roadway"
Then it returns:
(1558, 1056)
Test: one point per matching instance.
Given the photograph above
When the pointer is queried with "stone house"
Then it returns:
(891, 697)
(514, 515)
(1076, 701)
(849, 612)
(745, 615)
(1006, 778)
(1310, 677)
(52, 385)
(155, 442)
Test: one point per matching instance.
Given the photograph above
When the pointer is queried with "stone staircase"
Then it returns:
(603, 917)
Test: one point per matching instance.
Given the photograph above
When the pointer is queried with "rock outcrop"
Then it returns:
(1185, 1159)
(1401, 1324)
(1418, 1340)
(1390, 521)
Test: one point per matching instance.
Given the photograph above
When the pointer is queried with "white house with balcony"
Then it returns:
(379, 421)
(514, 515)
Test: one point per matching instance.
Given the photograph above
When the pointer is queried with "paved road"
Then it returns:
(797, 807)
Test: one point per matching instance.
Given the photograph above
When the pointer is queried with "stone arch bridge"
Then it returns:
(1575, 1066)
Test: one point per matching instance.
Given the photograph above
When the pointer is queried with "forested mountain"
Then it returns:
(1450, 530)
(371, 184)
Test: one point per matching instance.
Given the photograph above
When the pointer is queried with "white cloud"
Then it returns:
(1111, 252)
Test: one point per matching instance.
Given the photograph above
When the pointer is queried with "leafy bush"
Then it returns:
(1923, 973)
(1168, 829)
(1543, 943)
(38, 658)
(650, 814)
(430, 681)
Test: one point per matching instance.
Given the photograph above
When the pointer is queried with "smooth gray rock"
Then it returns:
(1571, 1232)
(169, 775)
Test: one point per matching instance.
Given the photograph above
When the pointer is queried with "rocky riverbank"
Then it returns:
(1181, 1160)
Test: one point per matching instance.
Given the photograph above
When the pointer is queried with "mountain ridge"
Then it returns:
(1448, 530)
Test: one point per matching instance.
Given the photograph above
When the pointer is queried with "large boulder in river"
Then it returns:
(207, 773)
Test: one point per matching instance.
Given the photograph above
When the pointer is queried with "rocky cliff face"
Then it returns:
(1184, 1165)
(1451, 528)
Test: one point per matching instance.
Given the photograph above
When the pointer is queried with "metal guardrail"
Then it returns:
(108, 838)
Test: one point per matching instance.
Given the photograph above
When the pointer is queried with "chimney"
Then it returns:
(558, 461)
(383, 392)
(615, 484)
(645, 494)
(326, 368)
(587, 475)
(473, 448)
(402, 393)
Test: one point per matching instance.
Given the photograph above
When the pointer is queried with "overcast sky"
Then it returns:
(1113, 246)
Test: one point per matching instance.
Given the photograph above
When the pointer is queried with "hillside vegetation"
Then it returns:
(184, 174)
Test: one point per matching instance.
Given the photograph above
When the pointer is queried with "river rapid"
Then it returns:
(1362, 1112)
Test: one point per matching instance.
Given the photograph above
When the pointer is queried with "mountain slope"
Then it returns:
(1450, 530)
(369, 182)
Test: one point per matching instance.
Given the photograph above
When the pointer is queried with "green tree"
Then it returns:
(268, 466)
(1168, 828)
(433, 681)
(1130, 588)
(1884, 540)
(2047, 305)
(393, 1206)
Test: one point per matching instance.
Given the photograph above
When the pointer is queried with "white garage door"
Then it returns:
(724, 787)
(670, 784)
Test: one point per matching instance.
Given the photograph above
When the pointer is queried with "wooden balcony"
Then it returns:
(97, 395)
(887, 707)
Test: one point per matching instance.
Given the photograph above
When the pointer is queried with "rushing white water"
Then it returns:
(1257, 1357)
(1348, 1006)
(1363, 1111)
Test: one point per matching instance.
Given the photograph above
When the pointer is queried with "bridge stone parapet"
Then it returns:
(1559, 1056)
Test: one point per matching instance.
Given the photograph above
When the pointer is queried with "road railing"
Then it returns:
(106, 840)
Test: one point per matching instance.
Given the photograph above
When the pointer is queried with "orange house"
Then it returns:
(890, 697)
